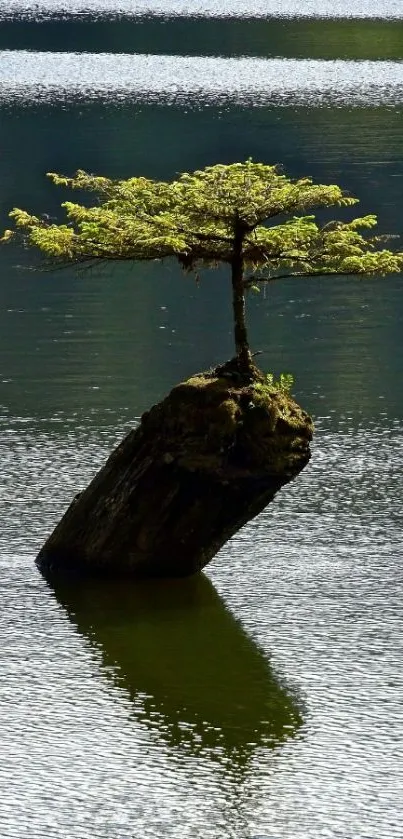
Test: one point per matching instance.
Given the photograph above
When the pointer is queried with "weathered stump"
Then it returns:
(202, 463)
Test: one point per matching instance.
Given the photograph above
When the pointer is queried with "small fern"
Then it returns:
(284, 383)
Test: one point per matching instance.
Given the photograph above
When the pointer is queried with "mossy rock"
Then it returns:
(202, 463)
(218, 423)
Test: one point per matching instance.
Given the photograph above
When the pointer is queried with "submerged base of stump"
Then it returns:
(202, 463)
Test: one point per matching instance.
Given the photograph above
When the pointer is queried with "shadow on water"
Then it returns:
(186, 663)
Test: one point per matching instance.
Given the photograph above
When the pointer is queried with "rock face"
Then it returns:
(202, 463)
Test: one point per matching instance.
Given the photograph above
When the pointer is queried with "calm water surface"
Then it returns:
(264, 699)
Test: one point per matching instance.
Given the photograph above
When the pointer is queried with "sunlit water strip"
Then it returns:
(206, 8)
(39, 76)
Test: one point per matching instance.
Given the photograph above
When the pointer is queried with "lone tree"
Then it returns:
(214, 452)
(247, 215)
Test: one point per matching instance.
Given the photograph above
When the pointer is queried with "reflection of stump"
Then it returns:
(204, 461)
(193, 674)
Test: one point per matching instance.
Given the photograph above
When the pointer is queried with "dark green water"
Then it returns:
(265, 701)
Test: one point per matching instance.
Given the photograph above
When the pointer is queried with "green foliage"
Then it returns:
(248, 215)
(194, 218)
(283, 384)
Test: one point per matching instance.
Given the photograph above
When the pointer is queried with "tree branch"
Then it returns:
(206, 237)
(303, 275)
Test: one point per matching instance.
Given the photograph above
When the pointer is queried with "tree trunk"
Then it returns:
(202, 463)
(238, 303)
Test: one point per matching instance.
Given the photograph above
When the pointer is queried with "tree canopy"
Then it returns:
(249, 215)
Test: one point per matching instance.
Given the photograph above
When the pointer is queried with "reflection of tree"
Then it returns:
(188, 665)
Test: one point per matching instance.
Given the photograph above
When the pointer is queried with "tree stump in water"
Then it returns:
(202, 463)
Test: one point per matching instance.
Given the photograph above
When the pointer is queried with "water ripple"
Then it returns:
(316, 579)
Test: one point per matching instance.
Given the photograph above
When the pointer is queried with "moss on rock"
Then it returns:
(216, 422)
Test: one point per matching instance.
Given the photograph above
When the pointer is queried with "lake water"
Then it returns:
(262, 701)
